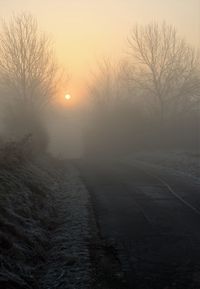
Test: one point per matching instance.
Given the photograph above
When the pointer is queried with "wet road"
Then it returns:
(152, 218)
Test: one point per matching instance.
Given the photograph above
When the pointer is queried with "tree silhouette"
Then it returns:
(28, 69)
(28, 78)
(166, 69)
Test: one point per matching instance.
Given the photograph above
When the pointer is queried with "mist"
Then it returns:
(148, 100)
(99, 182)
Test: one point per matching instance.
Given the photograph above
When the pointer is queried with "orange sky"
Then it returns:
(86, 30)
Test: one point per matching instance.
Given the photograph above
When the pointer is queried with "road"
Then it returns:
(153, 220)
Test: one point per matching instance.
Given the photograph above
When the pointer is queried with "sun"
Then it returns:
(68, 96)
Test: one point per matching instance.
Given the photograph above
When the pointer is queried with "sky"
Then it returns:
(85, 31)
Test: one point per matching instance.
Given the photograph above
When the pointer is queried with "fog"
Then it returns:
(65, 130)
(101, 189)
(146, 100)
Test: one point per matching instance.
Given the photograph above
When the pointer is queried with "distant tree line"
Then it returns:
(150, 100)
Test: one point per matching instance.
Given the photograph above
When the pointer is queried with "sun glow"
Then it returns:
(67, 96)
(71, 98)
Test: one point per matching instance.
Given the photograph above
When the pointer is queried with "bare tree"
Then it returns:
(28, 69)
(111, 118)
(101, 85)
(166, 69)
(109, 87)
(29, 76)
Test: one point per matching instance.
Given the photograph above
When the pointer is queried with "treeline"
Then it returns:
(150, 100)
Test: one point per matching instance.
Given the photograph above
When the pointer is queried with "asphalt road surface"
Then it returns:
(153, 220)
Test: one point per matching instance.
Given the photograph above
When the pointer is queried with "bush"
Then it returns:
(15, 153)
(22, 120)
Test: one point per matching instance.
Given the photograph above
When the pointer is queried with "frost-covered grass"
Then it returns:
(43, 224)
(185, 161)
(27, 218)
